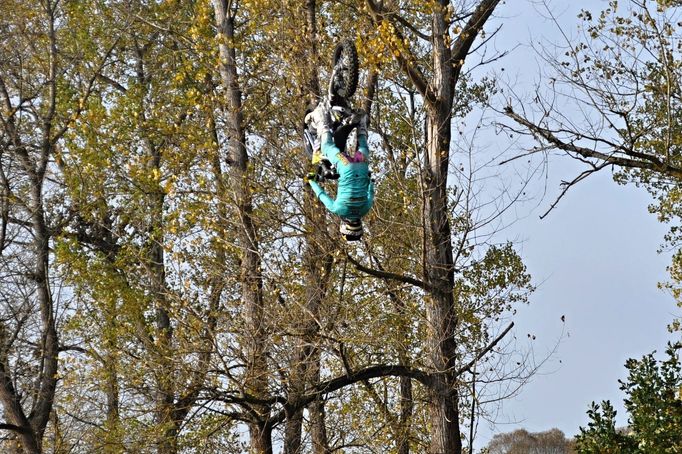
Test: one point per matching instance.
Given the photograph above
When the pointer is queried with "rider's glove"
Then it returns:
(307, 178)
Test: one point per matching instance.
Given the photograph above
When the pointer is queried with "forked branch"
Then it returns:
(615, 158)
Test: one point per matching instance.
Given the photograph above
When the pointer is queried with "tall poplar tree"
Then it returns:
(47, 74)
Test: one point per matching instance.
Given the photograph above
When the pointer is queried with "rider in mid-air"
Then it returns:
(355, 192)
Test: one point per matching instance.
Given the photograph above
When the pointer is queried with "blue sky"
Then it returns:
(594, 259)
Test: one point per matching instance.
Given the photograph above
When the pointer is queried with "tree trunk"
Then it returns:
(447, 65)
(40, 414)
(27, 440)
(165, 370)
(318, 426)
(406, 408)
(317, 265)
(255, 338)
(32, 428)
(161, 350)
(445, 436)
(48, 382)
(112, 439)
(438, 94)
(440, 275)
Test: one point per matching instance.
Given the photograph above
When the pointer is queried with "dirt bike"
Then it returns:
(342, 85)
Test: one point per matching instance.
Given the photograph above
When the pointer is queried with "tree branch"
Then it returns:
(337, 383)
(72, 348)
(391, 276)
(367, 373)
(652, 163)
(414, 74)
(462, 45)
(569, 184)
(88, 91)
(111, 82)
(14, 428)
(485, 351)
(412, 28)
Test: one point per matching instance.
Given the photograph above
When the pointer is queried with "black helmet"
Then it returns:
(351, 229)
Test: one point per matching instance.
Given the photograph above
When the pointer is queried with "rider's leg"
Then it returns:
(320, 121)
(330, 151)
(363, 147)
(330, 161)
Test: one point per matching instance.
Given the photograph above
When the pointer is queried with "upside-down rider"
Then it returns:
(355, 191)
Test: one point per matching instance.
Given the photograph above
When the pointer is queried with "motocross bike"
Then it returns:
(342, 85)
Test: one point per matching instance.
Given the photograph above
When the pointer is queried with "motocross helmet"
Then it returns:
(351, 229)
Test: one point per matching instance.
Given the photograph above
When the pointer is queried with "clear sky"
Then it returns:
(594, 259)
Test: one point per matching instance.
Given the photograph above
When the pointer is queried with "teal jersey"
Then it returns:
(355, 191)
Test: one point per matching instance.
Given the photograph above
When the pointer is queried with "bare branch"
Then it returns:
(651, 163)
(73, 348)
(485, 351)
(412, 28)
(462, 45)
(14, 428)
(391, 276)
(337, 383)
(569, 184)
(112, 83)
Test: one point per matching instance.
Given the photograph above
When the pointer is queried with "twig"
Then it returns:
(485, 351)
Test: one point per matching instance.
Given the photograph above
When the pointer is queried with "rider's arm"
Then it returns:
(370, 194)
(323, 196)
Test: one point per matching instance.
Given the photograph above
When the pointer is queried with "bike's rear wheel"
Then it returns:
(344, 80)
